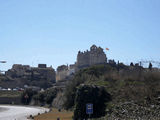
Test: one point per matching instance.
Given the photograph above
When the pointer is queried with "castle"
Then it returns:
(85, 59)
(42, 76)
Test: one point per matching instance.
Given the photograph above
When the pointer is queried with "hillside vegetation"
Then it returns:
(135, 91)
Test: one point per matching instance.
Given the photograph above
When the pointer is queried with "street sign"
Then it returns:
(89, 108)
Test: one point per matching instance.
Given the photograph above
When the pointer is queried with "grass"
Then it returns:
(54, 114)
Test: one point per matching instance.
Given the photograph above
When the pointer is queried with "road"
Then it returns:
(9, 112)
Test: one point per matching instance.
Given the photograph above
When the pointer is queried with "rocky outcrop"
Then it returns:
(133, 111)
(22, 75)
(58, 101)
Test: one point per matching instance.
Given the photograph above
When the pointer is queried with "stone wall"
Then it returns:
(63, 71)
(10, 100)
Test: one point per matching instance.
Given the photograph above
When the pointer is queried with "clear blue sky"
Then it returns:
(53, 31)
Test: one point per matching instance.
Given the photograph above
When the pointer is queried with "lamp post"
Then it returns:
(2, 62)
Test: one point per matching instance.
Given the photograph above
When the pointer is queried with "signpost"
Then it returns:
(89, 109)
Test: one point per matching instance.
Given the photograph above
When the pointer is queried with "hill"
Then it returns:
(135, 90)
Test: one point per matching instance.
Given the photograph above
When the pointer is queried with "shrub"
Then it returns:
(27, 96)
(98, 96)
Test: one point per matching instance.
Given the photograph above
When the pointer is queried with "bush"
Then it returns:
(27, 96)
(46, 97)
(90, 94)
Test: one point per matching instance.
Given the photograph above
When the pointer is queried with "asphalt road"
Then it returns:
(9, 112)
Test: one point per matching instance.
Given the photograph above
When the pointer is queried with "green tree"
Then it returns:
(90, 94)
(27, 96)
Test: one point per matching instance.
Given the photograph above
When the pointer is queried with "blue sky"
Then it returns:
(53, 31)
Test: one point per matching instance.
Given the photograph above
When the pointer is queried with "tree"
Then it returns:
(47, 96)
(27, 96)
(98, 96)
(40, 97)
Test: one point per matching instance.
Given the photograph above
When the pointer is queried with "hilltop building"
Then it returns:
(85, 59)
(63, 71)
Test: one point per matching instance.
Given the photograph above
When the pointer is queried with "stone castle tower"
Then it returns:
(84, 59)
(87, 58)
